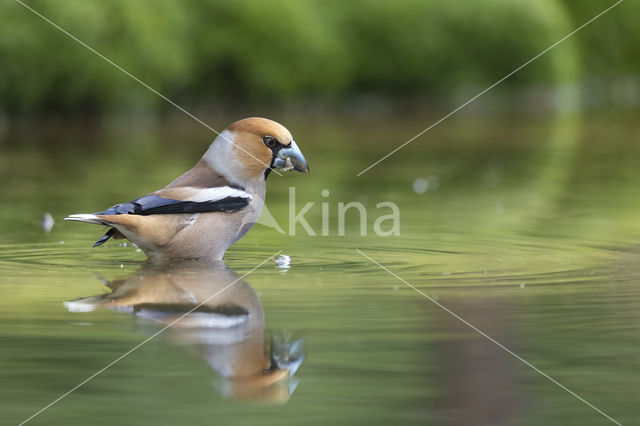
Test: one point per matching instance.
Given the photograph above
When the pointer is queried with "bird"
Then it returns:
(200, 214)
(206, 306)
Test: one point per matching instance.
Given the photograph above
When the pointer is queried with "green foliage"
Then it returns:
(253, 49)
(250, 50)
(45, 69)
(610, 48)
(423, 46)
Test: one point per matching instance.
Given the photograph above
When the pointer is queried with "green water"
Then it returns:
(529, 230)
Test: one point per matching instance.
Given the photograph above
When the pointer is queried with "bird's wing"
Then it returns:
(184, 200)
(202, 175)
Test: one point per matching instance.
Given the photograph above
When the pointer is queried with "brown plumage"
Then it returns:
(201, 213)
(241, 353)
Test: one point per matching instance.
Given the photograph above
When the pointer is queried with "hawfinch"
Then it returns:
(227, 331)
(210, 207)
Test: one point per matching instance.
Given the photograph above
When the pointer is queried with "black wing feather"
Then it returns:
(154, 204)
(105, 237)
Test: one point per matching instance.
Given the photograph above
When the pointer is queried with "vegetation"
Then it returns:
(198, 51)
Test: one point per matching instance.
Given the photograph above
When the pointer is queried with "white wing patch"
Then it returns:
(200, 195)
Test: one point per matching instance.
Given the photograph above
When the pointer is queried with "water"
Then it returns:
(527, 228)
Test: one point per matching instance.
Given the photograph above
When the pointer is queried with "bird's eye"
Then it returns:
(270, 141)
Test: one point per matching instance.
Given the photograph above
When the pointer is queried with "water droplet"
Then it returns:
(283, 261)
(420, 186)
(47, 222)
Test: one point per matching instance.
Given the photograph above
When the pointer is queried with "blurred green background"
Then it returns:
(529, 226)
(222, 54)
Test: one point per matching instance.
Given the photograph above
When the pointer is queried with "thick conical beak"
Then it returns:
(291, 158)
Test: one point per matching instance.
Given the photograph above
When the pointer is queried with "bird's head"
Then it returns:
(252, 147)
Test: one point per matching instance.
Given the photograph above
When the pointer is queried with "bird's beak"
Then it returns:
(291, 158)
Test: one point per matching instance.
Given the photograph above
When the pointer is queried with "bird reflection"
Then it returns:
(226, 328)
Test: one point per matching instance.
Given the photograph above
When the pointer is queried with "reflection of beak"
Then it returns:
(291, 158)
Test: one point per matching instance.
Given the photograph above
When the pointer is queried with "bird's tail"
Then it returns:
(87, 218)
(92, 218)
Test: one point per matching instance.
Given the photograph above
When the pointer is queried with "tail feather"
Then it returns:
(105, 237)
(92, 218)
(84, 217)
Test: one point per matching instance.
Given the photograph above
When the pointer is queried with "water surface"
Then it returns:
(529, 230)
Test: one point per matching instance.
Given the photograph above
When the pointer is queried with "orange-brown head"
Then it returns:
(252, 147)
